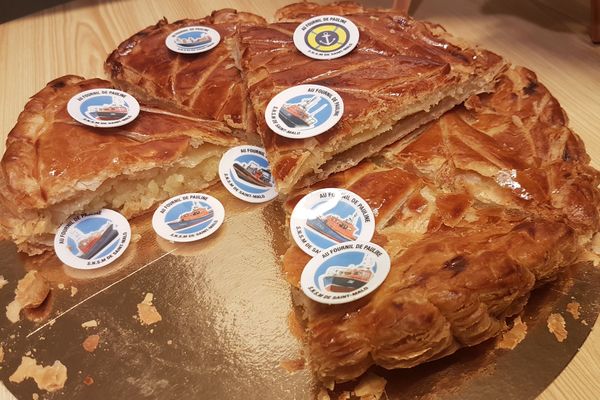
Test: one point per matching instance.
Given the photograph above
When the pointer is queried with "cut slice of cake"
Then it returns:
(484, 205)
(207, 84)
(402, 74)
(55, 167)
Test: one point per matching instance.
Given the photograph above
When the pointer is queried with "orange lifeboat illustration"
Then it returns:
(334, 227)
(109, 112)
(93, 243)
(253, 173)
(299, 114)
(193, 41)
(196, 216)
(341, 279)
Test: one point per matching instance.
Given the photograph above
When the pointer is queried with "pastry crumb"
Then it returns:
(596, 243)
(292, 366)
(35, 396)
(61, 286)
(73, 291)
(49, 378)
(169, 341)
(135, 237)
(370, 387)
(592, 252)
(514, 336)
(345, 396)
(573, 309)
(329, 384)
(1, 354)
(90, 344)
(3, 282)
(147, 312)
(90, 324)
(323, 394)
(556, 326)
(88, 380)
(31, 292)
(295, 326)
(584, 322)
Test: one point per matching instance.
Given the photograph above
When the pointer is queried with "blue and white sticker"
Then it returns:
(345, 272)
(304, 111)
(246, 174)
(92, 240)
(188, 217)
(326, 37)
(193, 39)
(327, 217)
(103, 108)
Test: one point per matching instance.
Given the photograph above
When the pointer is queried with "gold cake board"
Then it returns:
(224, 333)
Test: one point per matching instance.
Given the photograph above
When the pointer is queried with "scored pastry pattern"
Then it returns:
(479, 208)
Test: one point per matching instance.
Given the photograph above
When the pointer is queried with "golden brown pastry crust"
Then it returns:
(50, 158)
(207, 84)
(494, 198)
(400, 67)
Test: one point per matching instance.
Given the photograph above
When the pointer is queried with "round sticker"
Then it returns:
(326, 217)
(245, 172)
(304, 111)
(193, 39)
(326, 37)
(93, 240)
(103, 108)
(345, 272)
(188, 217)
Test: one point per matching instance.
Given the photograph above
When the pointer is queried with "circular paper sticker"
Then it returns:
(345, 272)
(193, 39)
(304, 111)
(327, 217)
(103, 108)
(188, 217)
(245, 172)
(93, 240)
(326, 37)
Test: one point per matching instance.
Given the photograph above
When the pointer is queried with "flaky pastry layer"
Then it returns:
(55, 167)
(476, 210)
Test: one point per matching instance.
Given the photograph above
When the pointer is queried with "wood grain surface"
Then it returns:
(548, 36)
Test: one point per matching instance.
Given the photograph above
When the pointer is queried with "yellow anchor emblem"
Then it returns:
(327, 37)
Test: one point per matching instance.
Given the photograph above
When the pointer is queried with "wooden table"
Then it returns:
(547, 36)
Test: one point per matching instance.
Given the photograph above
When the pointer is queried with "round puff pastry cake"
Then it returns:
(207, 84)
(402, 74)
(55, 167)
(476, 210)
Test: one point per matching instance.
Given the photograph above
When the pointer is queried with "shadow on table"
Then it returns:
(10, 9)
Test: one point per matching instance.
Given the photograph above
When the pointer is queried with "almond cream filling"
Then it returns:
(322, 163)
(130, 194)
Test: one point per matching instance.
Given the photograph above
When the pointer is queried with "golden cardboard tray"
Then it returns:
(225, 329)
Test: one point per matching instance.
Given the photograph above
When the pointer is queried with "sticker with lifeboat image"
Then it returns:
(92, 240)
(304, 111)
(193, 39)
(345, 272)
(327, 217)
(103, 108)
(245, 173)
(326, 37)
(188, 217)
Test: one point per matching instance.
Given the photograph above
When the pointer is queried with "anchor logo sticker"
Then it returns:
(326, 37)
